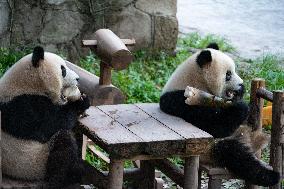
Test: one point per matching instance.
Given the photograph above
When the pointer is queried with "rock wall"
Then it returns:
(60, 25)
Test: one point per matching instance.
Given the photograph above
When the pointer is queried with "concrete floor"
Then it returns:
(253, 27)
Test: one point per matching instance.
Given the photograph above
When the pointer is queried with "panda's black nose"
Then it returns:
(77, 78)
(241, 91)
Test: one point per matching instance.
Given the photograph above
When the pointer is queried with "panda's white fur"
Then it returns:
(23, 78)
(28, 158)
(210, 78)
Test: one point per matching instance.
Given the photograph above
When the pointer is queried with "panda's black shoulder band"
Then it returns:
(38, 54)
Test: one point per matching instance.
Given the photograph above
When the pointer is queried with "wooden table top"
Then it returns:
(131, 130)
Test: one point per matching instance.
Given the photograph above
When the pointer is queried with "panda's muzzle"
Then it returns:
(238, 94)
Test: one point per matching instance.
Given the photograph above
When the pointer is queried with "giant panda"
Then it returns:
(213, 71)
(40, 103)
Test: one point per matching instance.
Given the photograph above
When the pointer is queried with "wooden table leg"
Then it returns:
(115, 177)
(148, 175)
(191, 172)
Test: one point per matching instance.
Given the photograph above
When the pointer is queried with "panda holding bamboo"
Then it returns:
(40, 103)
(206, 91)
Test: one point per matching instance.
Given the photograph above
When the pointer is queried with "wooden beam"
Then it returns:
(99, 154)
(93, 43)
(265, 94)
(175, 173)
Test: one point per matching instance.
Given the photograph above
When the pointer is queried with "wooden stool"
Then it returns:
(144, 132)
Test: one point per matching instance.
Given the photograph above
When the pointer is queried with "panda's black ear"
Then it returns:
(204, 58)
(213, 46)
(38, 54)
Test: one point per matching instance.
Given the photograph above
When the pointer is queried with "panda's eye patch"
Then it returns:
(63, 69)
(228, 75)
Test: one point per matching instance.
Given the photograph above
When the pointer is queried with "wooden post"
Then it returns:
(191, 172)
(148, 175)
(256, 104)
(255, 117)
(277, 135)
(105, 74)
(115, 177)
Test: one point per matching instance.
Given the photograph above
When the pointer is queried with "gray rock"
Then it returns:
(164, 7)
(61, 26)
(131, 23)
(166, 32)
(4, 23)
(4, 16)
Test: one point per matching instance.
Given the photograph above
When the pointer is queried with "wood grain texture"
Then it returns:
(134, 131)
(112, 50)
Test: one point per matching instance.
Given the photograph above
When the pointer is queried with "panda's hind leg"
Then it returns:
(64, 166)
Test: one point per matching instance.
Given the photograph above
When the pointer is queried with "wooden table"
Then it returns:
(144, 132)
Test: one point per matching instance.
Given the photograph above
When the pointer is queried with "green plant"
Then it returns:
(8, 56)
(195, 40)
(267, 67)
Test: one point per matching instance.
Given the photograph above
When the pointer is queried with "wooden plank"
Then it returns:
(140, 123)
(108, 130)
(197, 140)
(99, 154)
(178, 125)
(110, 135)
(93, 43)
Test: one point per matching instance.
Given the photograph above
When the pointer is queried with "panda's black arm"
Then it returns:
(218, 121)
(36, 117)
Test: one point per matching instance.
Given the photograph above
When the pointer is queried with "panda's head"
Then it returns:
(40, 73)
(219, 74)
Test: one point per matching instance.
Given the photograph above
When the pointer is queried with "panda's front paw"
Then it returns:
(83, 103)
(192, 95)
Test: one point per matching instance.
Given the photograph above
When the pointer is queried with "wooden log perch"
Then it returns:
(195, 96)
(112, 50)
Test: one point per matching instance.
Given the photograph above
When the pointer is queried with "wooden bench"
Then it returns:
(144, 132)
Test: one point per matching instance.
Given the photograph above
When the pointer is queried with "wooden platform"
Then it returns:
(133, 130)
